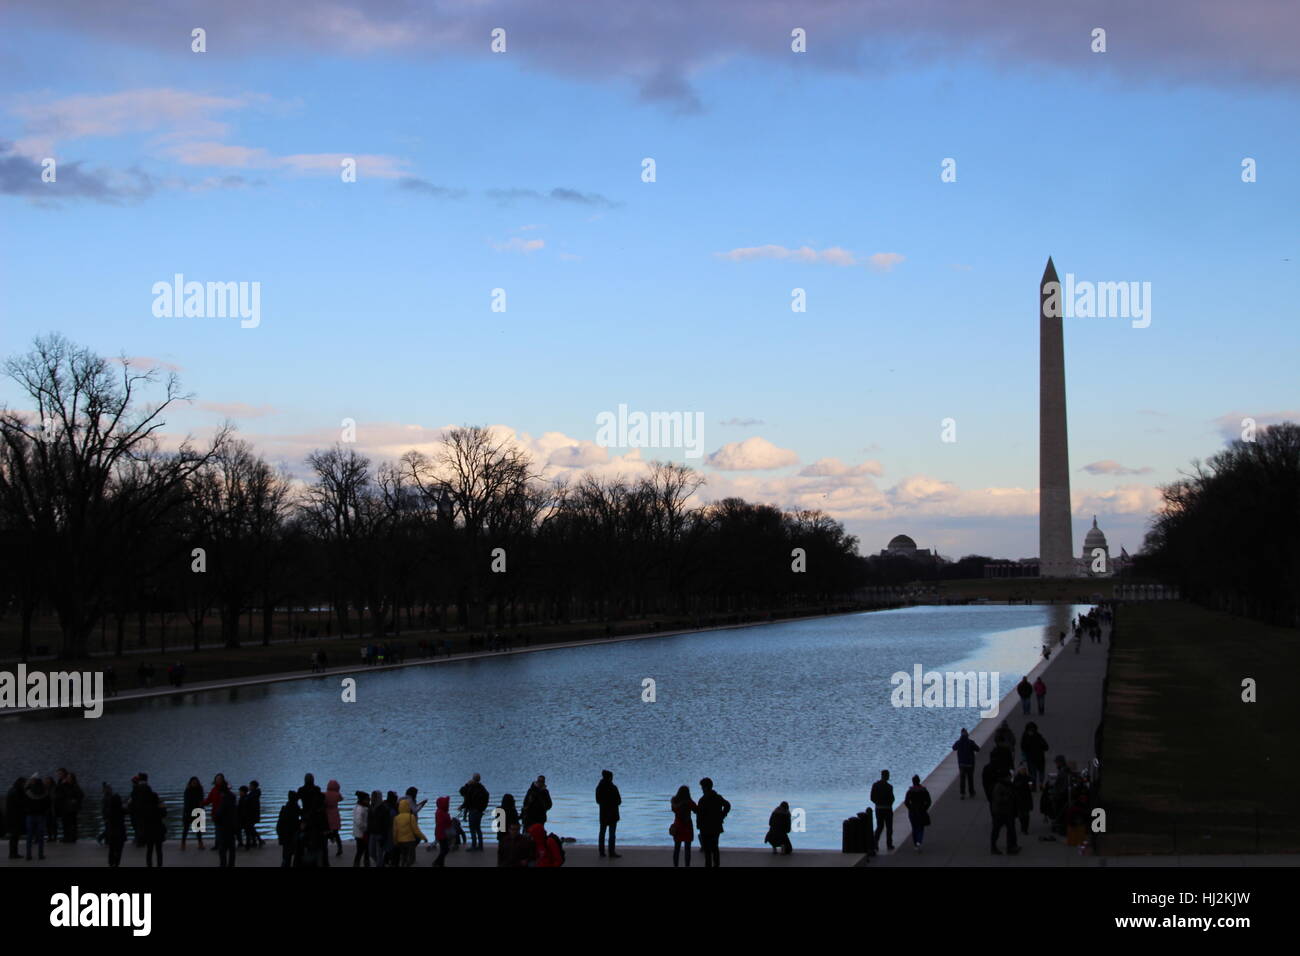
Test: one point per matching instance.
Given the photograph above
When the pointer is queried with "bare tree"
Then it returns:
(88, 469)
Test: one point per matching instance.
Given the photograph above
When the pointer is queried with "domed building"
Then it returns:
(1093, 543)
(901, 546)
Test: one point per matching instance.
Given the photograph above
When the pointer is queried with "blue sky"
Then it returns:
(375, 294)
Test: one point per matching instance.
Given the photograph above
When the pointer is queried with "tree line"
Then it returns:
(101, 520)
(1229, 532)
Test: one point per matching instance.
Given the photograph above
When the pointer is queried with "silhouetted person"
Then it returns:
(360, 829)
(515, 848)
(1034, 746)
(917, 800)
(68, 797)
(681, 829)
(537, 803)
(250, 815)
(476, 799)
(1026, 691)
(1003, 806)
(115, 830)
(148, 810)
(379, 829)
(191, 800)
(287, 827)
(608, 799)
(710, 811)
(966, 749)
(37, 803)
(778, 829)
(225, 823)
(1023, 785)
(507, 813)
(882, 798)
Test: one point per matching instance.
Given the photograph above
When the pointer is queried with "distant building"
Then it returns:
(901, 546)
(1097, 552)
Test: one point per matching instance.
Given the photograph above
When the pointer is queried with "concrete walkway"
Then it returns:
(959, 830)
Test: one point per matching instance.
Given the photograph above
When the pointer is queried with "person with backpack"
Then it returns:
(608, 799)
(778, 829)
(680, 829)
(476, 799)
(966, 749)
(711, 810)
(882, 798)
(1003, 806)
(918, 803)
(549, 850)
(287, 828)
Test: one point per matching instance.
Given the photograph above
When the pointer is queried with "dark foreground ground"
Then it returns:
(1189, 768)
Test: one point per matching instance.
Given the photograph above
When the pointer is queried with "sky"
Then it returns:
(774, 170)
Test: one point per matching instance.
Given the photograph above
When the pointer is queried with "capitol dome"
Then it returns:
(1094, 539)
(901, 542)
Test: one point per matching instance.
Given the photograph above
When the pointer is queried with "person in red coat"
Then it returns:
(683, 833)
(548, 849)
(443, 828)
(333, 797)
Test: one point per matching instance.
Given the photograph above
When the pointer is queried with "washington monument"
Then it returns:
(1055, 542)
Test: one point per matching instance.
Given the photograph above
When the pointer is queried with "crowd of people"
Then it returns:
(386, 829)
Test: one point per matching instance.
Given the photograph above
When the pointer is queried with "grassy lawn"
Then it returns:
(1188, 767)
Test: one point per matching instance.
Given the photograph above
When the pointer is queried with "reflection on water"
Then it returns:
(796, 711)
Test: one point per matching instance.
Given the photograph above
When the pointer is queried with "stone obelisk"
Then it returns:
(1055, 540)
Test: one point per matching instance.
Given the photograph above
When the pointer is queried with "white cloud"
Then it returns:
(884, 261)
(752, 454)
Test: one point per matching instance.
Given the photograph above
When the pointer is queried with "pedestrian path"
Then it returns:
(959, 831)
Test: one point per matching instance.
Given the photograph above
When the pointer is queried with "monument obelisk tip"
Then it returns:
(1049, 274)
